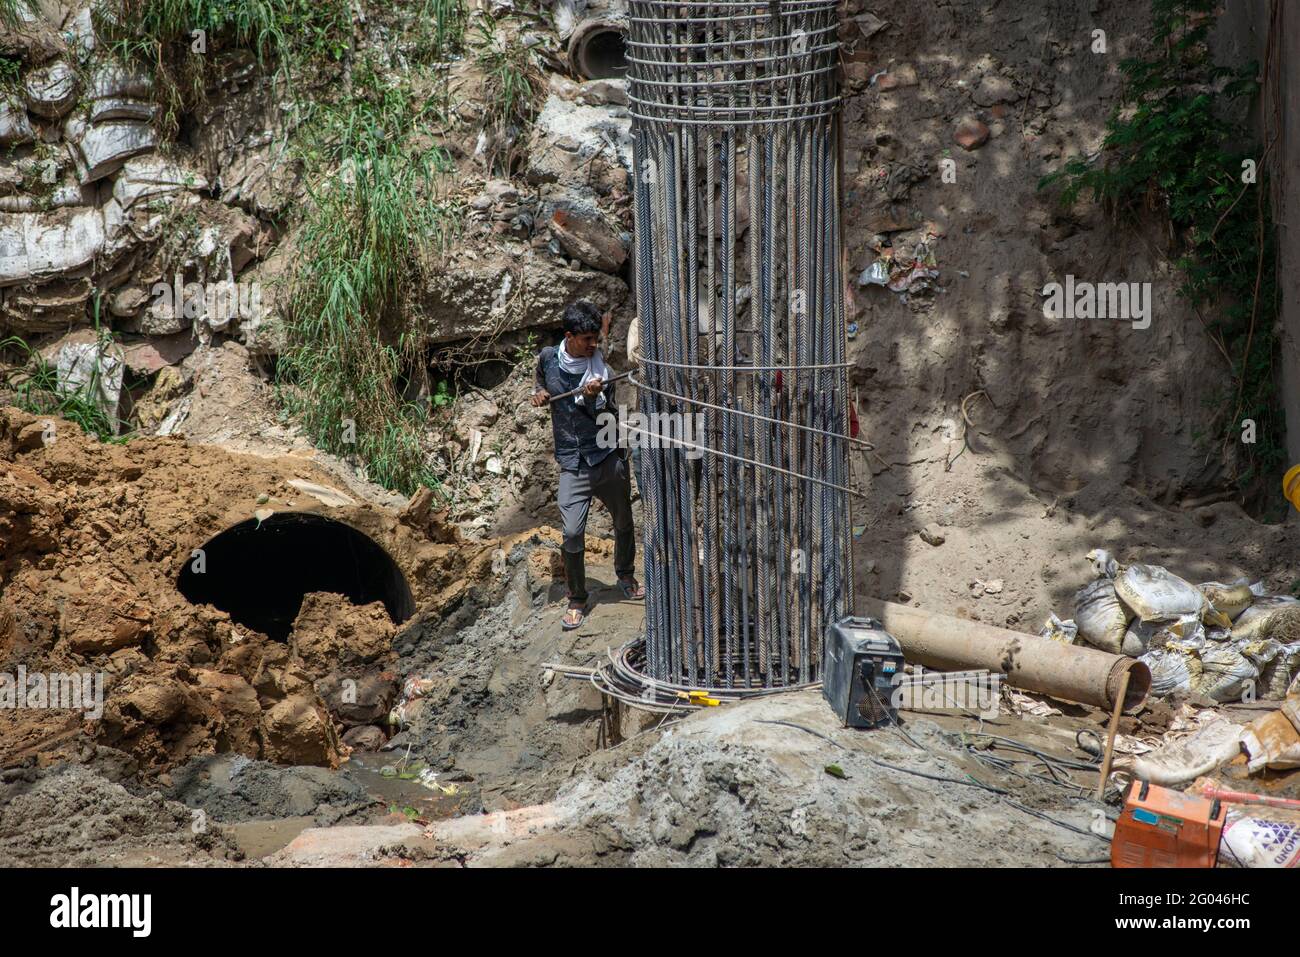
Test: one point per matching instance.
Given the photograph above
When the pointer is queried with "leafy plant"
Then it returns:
(526, 353)
(178, 41)
(35, 388)
(1169, 149)
(512, 77)
(441, 27)
(11, 68)
(9, 12)
(364, 246)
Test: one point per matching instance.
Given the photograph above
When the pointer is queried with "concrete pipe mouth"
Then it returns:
(598, 49)
(258, 572)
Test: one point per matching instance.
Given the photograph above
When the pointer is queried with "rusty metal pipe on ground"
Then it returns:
(1028, 662)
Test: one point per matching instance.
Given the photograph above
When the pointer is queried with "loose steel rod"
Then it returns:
(786, 423)
(672, 442)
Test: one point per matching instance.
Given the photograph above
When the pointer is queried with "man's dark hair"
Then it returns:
(580, 317)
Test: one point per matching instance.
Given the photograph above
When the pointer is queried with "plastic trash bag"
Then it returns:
(1101, 616)
(1155, 594)
(877, 274)
(1066, 632)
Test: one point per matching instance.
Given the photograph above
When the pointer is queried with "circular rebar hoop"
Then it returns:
(739, 293)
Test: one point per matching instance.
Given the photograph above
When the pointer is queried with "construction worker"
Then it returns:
(588, 469)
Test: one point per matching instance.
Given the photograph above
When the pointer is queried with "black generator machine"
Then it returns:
(859, 662)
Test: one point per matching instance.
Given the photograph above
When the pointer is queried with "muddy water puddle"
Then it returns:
(410, 788)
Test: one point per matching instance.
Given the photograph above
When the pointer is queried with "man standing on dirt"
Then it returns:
(587, 470)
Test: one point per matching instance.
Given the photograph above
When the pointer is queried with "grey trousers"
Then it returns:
(608, 482)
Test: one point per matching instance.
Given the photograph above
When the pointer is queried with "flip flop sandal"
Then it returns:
(631, 589)
(568, 624)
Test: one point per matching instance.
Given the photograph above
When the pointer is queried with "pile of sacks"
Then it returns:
(1228, 642)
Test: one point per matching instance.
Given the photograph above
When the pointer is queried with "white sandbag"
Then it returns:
(1143, 636)
(1231, 600)
(15, 127)
(1155, 594)
(1270, 616)
(39, 245)
(1101, 616)
(1172, 670)
(1278, 666)
(1178, 762)
(1256, 835)
(102, 148)
(51, 90)
(1250, 622)
(1225, 672)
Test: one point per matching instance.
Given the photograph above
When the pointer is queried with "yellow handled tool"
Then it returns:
(700, 699)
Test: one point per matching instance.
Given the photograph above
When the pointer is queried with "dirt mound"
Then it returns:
(329, 628)
(92, 540)
(739, 786)
(73, 817)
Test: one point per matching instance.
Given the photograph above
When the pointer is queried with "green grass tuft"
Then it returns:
(364, 245)
(35, 388)
(9, 12)
(513, 83)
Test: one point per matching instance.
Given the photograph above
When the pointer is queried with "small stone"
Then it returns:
(897, 78)
(994, 587)
(971, 134)
(364, 738)
(932, 534)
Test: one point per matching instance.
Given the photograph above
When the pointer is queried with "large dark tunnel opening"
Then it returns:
(259, 572)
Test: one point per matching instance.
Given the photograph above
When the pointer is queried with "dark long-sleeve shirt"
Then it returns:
(575, 427)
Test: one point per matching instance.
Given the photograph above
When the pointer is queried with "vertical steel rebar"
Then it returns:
(736, 139)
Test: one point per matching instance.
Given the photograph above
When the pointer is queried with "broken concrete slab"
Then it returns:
(589, 239)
